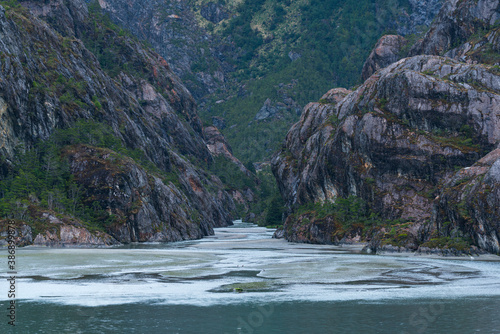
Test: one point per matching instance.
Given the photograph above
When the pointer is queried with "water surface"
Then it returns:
(242, 281)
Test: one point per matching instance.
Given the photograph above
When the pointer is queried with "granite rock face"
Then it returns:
(469, 203)
(73, 236)
(422, 14)
(173, 31)
(456, 22)
(464, 30)
(386, 52)
(395, 141)
(303, 143)
(144, 207)
(267, 111)
(417, 141)
(65, 16)
(28, 67)
(57, 231)
(49, 80)
(22, 234)
(218, 146)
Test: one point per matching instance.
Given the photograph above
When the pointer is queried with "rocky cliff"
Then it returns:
(456, 23)
(463, 30)
(61, 66)
(420, 16)
(469, 203)
(413, 143)
(172, 29)
(386, 51)
(256, 64)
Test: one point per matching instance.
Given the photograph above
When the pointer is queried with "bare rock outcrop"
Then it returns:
(21, 235)
(457, 21)
(53, 230)
(387, 51)
(218, 146)
(50, 80)
(73, 236)
(317, 121)
(395, 141)
(467, 31)
(171, 27)
(140, 206)
(470, 203)
(422, 13)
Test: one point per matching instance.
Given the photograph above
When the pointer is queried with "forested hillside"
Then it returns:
(100, 136)
(290, 53)
(253, 65)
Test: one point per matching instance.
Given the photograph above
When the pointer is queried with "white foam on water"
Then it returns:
(190, 273)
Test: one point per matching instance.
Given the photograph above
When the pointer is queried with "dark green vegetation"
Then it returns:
(351, 217)
(329, 42)
(10, 4)
(268, 206)
(347, 212)
(345, 221)
(231, 175)
(96, 111)
(41, 179)
(458, 243)
(276, 208)
(7, 4)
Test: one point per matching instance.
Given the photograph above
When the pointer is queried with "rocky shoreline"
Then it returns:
(77, 236)
(60, 234)
(369, 247)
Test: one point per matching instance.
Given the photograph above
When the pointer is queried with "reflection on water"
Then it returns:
(241, 278)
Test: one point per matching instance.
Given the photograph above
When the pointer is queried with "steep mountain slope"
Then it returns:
(463, 30)
(172, 29)
(253, 65)
(262, 61)
(98, 130)
(457, 22)
(408, 159)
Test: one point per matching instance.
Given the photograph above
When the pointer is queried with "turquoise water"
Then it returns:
(242, 281)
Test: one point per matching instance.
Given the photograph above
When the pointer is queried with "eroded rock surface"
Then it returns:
(49, 80)
(394, 142)
(387, 51)
(173, 30)
(456, 22)
(470, 203)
